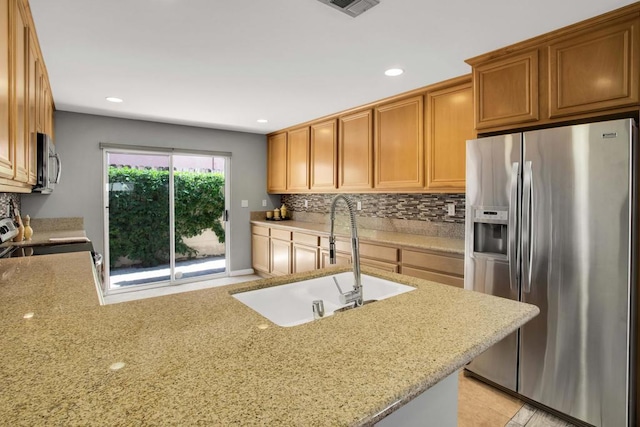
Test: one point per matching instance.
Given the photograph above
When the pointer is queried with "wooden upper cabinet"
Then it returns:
(355, 151)
(449, 125)
(276, 162)
(298, 159)
(324, 152)
(6, 143)
(595, 70)
(399, 146)
(586, 70)
(32, 111)
(20, 56)
(506, 90)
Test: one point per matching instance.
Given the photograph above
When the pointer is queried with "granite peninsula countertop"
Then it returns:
(204, 358)
(417, 241)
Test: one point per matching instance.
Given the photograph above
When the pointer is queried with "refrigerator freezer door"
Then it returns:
(574, 355)
(490, 188)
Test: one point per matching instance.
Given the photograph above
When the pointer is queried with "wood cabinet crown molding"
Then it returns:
(626, 11)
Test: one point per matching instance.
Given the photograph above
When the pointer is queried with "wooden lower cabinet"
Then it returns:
(260, 249)
(305, 252)
(343, 252)
(341, 259)
(280, 257)
(438, 267)
(305, 258)
(280, 248)
(278, 251)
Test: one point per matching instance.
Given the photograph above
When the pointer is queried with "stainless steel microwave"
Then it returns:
(48, 166)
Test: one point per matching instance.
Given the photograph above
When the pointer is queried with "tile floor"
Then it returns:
(480, 405)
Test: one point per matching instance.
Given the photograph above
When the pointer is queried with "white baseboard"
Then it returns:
(241, 272)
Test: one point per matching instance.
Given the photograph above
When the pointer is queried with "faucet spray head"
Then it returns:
(332, 250)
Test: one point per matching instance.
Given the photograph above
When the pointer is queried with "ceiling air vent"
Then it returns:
(351, 7)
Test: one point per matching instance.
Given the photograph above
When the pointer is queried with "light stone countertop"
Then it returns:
(42, 238)
(200, 357)
(417, 241)
(46, 228)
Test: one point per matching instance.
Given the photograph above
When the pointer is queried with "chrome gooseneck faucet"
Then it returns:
(354, 296)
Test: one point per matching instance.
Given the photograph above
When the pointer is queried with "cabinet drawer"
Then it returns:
(261, 231)
(383, 253)
(450, 264)
(341, 245)
(305, 239)
(280, 234)
(433, 276)
(379, 265)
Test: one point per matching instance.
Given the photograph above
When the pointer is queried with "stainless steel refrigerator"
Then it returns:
(550, 221)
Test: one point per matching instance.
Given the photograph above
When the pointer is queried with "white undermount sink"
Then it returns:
(291, 304)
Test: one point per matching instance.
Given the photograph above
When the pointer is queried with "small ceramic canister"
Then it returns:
(269, 214)
(276, 213)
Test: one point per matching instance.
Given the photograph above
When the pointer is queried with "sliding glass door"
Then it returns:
(164, 218)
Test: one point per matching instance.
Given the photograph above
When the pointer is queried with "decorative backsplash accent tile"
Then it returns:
(421, 207)
(5, 199)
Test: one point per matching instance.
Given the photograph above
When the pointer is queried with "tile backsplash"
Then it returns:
(5, 199)
(410, 206)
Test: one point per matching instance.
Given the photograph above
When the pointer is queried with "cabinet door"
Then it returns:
(32, 111)
(40, 97)
(20, 56)
(48, 112)
(305, 258)
(298, 160)
(324, 150)
(595, 70)
(280, 257)
(399, 146)
(277, 163)
(6, 143)
(506, 90)
(449, 125)
(260, 253)
(355, 148)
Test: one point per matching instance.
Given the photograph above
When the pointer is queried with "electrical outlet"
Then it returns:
(451, 209)
(264, 203)
(306, 203)
(358, 205)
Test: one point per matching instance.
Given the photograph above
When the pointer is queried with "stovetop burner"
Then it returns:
(8, 230)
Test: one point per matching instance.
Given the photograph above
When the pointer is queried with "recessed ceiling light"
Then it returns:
(392, 72)
(263, 121)
(113, 99)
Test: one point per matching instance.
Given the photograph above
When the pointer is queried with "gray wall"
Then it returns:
(77, 137)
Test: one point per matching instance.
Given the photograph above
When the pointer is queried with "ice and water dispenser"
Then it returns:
(490, 231)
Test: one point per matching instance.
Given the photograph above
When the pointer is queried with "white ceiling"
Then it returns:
(225, 64)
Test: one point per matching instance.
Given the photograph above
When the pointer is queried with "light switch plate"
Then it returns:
(358, 205)
(244, 204)
(451, 209)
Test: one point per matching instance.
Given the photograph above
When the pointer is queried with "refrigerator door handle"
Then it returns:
(527, 228)
(512, 227)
